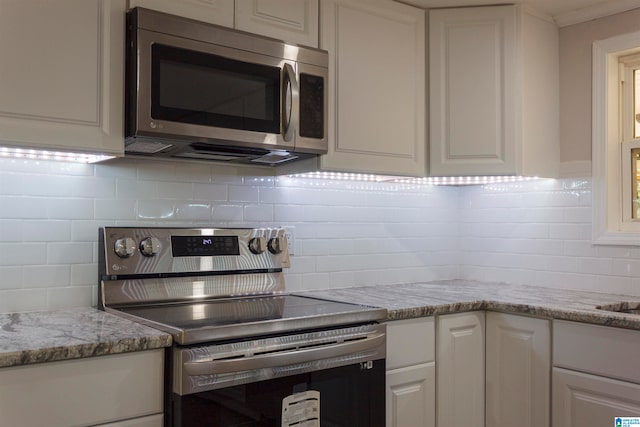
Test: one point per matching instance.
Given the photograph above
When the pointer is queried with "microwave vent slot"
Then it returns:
(147, 147)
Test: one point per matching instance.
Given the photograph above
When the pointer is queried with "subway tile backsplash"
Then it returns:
(348, 233)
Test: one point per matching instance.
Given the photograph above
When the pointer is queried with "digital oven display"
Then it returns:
(204, 245)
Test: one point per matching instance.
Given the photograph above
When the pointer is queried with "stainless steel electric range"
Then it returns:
(245, 353)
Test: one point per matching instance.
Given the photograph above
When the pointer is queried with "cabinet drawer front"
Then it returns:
(410, 342)
(600, 350)
(83, 392)
(583, 400)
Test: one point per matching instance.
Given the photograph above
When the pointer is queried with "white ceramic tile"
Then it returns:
(70, 208)
(260, 213)
(46, 231)
(175, 190)
(158, 210)
(84, 274)
(129, 189)
(93, 187)
(210, 192)
(227, 213)
(46, 276)
(69, 253)
(11, 230)
(37, 185)
(23, 207)
(156, 170)
(192, 172)
(193, 211)
(315, 247)
(240, 193)
(22, 300)
(113, 210)
(77, 296)
(86, 231)
(10, 278)
(15, 254)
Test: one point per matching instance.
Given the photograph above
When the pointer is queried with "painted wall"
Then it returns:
(575, 79)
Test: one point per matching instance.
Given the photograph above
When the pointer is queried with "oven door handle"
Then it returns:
(285, 358)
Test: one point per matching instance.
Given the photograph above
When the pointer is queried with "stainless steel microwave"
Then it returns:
(200, 91)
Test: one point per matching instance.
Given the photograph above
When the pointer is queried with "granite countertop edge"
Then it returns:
(53, 336)
(38, 337)
(456, 296)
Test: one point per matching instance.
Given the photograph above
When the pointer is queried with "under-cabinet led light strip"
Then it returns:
(446, 180)
(29, 154)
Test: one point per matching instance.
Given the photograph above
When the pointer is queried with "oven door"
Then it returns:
(318, 379)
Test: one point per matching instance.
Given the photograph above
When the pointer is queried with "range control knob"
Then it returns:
(257, 245)
(125, 247)
(277, 245)
(149, 246)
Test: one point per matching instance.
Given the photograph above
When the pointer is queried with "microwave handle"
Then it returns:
(290, 102)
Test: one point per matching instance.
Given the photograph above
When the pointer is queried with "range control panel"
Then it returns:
(132, 251)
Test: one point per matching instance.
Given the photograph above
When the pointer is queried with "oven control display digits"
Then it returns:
(183, 246)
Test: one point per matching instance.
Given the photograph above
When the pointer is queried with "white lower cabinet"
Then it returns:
(150, 421)
(460, 367)
(584, 400)
(124, 390)
(596, 374)
(518, 371)
(410, 380)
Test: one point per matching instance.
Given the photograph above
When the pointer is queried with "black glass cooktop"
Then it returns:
(241, 317)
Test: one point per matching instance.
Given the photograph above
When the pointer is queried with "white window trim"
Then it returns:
(609, 227)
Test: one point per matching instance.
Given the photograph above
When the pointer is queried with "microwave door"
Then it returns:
(205, 92)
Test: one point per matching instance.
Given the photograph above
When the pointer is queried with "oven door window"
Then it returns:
(205, 89)
(349, 397)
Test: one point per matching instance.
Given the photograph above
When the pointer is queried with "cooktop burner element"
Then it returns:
(211, 284)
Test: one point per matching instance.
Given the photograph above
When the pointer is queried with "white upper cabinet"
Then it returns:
(376, 86)
(294, 21)
(494, 92)
(61, 74)
(219, 12)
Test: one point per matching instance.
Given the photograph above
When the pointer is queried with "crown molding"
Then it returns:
(595, 11)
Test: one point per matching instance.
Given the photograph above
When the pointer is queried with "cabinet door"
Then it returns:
(460, 369)
(473, 109)
(294, 21)
(411, 396)
(219, 12)
(61, 79)
(518, 371)
(376, 86)
(151, 421)
(83, 392)
(583, 400)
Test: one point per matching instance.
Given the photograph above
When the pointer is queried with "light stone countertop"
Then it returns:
(27, 338)
(452, 296)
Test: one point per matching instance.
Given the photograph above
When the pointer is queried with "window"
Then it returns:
(616, 140)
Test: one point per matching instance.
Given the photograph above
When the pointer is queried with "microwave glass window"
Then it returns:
(199, 88)
(311, 106)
